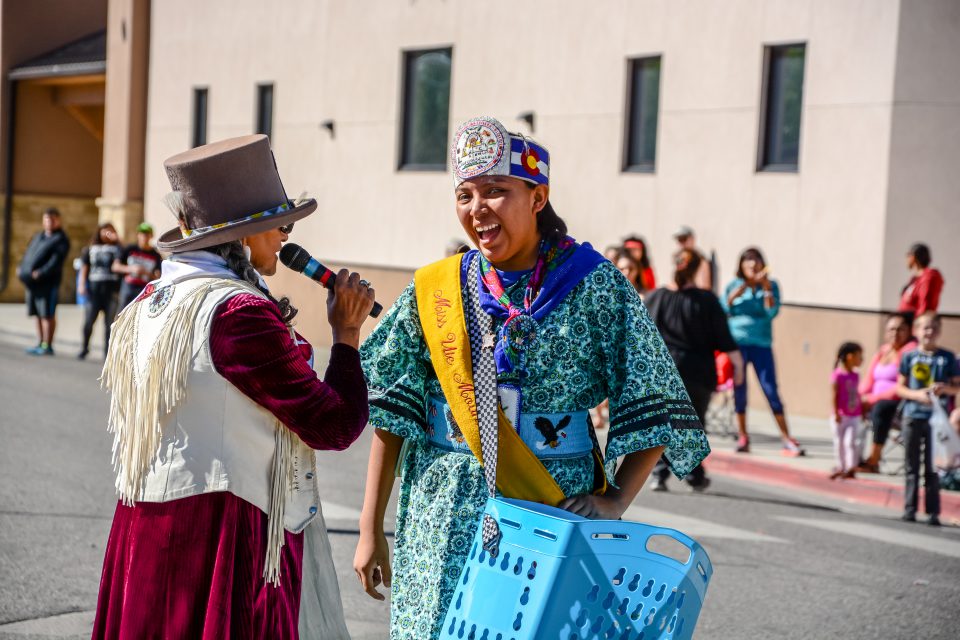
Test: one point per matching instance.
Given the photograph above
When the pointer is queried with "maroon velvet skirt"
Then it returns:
(193, 568)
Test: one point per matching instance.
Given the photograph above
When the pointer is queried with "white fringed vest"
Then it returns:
(181, 429)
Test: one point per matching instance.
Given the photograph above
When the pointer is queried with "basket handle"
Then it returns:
(698, 559)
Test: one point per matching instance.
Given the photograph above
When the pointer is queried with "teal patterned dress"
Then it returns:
(597, 343)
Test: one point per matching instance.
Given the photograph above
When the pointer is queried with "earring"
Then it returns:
(246, 252)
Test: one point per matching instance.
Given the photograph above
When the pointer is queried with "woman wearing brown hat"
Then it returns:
(216, 412)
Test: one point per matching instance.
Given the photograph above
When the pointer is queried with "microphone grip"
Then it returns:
(319, 273)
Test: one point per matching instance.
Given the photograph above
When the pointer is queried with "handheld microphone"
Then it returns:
(295, 257)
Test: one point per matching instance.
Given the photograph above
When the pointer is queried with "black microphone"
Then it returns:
(295, 257)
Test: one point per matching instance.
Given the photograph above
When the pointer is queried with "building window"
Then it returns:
(426, 109)
(265, 109)
(199, 116)
(643, 109)
(782, 107)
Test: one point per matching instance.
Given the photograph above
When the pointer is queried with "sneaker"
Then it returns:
(909, 517)
(46, 351)
(792, 449)
(82, 355)
(34, 351)
(933, 521)
(743, 444)
(658, 485)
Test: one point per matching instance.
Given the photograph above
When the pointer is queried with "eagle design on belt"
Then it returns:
(551, 434)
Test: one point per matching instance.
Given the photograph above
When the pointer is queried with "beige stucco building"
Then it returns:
(876, 162)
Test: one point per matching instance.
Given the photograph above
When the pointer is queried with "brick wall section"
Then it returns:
(79, 217)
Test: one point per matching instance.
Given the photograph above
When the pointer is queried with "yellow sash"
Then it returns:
(520, 474)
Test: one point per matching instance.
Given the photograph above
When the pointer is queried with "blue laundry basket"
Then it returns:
(559, 576)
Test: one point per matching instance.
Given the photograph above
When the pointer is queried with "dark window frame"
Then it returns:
(264, 122)
(407, 58)
(198, 133)
(772, 97)
(630, 163)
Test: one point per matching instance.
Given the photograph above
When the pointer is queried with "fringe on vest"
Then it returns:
(136, 407)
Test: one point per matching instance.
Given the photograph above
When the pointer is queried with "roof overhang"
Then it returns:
(86, 56)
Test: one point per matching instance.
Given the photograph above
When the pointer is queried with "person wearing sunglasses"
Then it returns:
(216, 412)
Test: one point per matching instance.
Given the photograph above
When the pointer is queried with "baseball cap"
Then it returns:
(683, 231)
(145, 227)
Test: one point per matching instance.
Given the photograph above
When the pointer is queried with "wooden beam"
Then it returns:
(89, 121)
(80, 95)
(96, 78)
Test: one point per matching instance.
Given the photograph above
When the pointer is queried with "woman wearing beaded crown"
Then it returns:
(567, 330)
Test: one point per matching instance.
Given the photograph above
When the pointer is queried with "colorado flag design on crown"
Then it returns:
(480, 148)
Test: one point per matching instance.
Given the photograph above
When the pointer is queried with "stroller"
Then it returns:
(719, 418)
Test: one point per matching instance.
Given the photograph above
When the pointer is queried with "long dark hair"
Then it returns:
(686, 262)
(750, 253)
(645, 258)
(237, 262)
(95, 238)
(550, 226)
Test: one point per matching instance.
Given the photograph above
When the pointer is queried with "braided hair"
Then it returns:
(238, 262)
(846, 349)
(550, 226)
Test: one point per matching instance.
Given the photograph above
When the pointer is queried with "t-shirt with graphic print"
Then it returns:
(99, 259)
(848, 396)
(922, 369)
(149, 259)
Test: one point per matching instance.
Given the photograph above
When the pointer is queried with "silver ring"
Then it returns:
(364, 283)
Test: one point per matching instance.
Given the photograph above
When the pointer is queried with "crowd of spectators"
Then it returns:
(110, 276)
(896, 391)
(906, 375)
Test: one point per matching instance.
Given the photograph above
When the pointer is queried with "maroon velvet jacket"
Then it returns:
(193, 568)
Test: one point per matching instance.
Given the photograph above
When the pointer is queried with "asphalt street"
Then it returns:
(788, 565)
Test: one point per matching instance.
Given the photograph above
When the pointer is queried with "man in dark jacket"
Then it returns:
(40, 271)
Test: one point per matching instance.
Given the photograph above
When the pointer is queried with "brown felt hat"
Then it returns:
(225, 191)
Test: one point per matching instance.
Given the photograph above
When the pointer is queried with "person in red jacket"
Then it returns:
(645, 279)
(922, 293)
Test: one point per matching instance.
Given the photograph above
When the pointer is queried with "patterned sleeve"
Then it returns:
(395, 363)
(649, 405)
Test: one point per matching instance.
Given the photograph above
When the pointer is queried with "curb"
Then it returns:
(880, 494)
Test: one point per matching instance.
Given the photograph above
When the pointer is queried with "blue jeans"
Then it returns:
(762, 360)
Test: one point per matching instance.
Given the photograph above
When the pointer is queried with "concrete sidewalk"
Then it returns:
(18, 329)
(763, 465)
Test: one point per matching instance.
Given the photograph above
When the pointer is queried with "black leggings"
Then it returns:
(100, 297)
(882, 415)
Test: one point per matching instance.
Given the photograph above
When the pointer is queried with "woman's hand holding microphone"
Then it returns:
(348, 304)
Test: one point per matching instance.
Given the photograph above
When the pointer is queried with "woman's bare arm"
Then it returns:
(372, 559)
